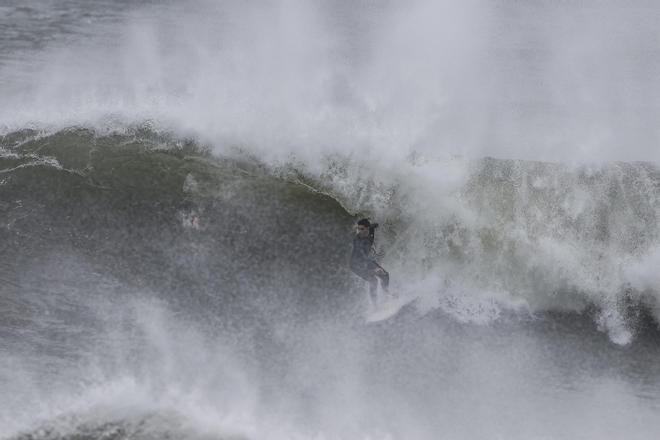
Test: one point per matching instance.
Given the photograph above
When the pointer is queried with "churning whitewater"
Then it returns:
(179, 186)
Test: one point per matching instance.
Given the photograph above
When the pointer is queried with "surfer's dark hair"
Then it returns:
(364, 222)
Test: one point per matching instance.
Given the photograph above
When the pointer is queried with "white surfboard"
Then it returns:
(388, 308)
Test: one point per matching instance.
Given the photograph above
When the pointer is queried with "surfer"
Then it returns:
(363, 258)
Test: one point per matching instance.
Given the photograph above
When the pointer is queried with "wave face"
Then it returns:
(137, 200)
(179, 181)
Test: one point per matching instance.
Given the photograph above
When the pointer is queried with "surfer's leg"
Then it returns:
(373, 289)
(370, 277)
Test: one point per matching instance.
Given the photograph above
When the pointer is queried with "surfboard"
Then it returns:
(389, 308)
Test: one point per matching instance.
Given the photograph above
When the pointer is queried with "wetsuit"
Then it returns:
(363, 262)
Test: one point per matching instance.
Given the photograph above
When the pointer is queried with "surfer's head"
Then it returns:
(363, 227)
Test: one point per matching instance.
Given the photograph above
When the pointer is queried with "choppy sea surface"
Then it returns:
(179, 181)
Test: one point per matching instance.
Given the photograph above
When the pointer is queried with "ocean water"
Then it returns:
(179, 181)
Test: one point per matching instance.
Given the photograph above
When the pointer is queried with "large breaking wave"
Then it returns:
(487, 234)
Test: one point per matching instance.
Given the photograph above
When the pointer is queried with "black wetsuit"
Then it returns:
(363, 261)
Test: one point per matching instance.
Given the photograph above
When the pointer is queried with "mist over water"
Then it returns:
(178, 183)
(569, 81)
